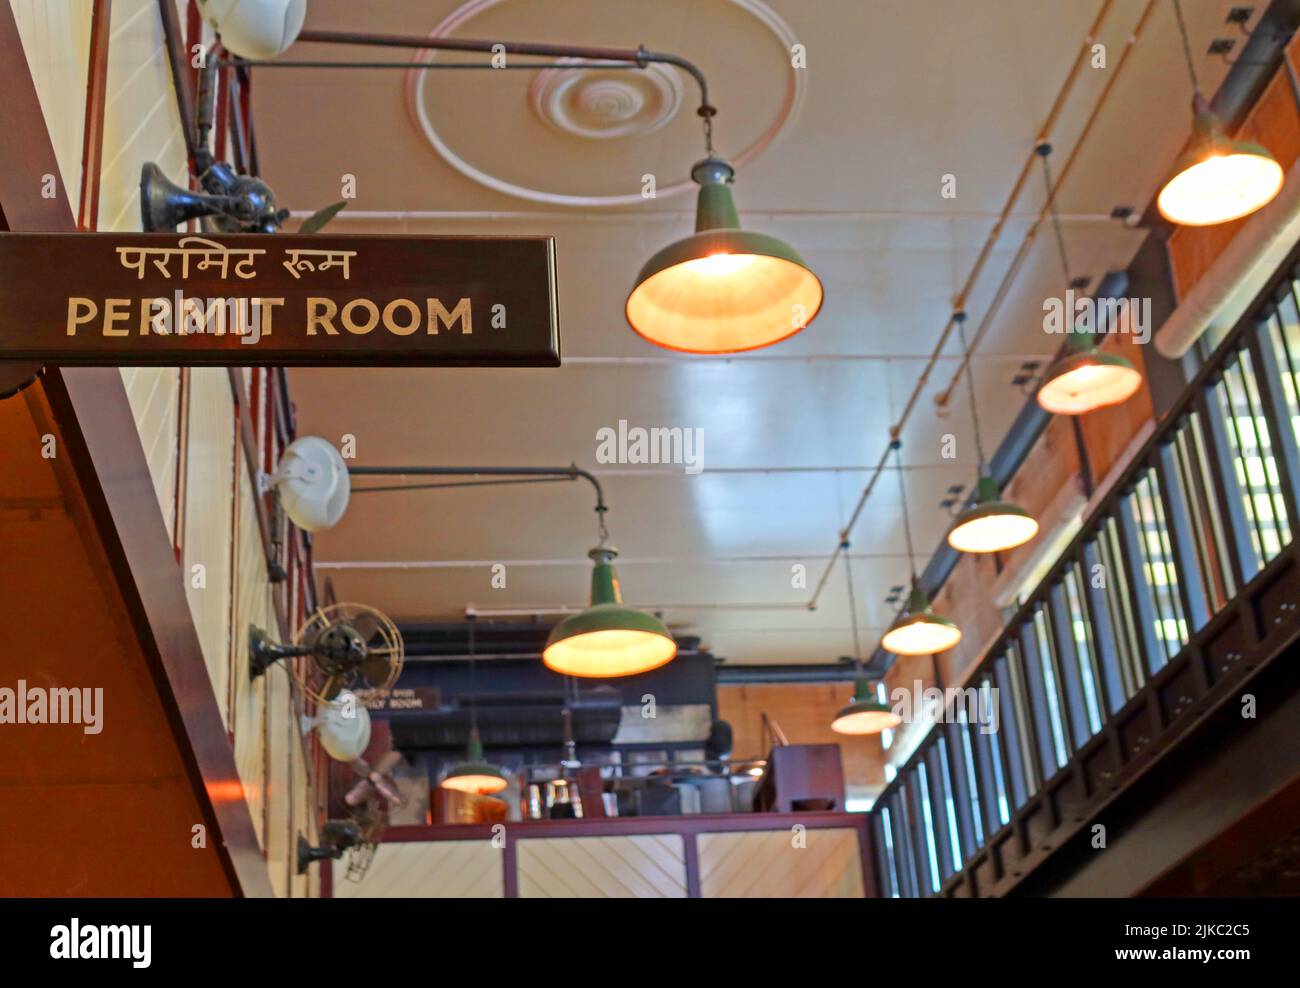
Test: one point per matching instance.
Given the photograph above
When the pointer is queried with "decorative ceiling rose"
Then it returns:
(602, 103)
(603, 112)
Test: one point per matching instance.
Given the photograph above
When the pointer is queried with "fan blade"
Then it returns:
(317, 220)
(387, 788)
(375, 670)
(358, 793)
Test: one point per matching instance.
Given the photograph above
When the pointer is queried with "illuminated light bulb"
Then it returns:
(1086, 381)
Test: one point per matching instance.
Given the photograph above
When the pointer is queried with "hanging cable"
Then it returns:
(853, 607)
(896, 445)
(1044, 150)
(960, 319)
(1187, 48)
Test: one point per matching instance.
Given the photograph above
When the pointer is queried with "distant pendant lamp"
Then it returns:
(990, 524)
(608, 639)
(865, 714)
(475, 775)
(1218, 179)
(1085, 379)
(723, 289)
(918, 630)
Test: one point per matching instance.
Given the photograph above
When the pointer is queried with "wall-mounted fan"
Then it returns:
(368, 803)
(350, 646)
(311, 483)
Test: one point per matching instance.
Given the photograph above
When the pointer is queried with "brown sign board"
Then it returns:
(107, 299)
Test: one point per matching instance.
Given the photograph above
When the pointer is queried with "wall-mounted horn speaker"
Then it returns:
(229, 203)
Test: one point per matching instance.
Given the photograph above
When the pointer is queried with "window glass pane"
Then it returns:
(925, 825)
(885, 838)
(1085, 651)
(944, 773)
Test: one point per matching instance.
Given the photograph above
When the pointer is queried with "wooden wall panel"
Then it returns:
(804, 711)
(771, 864)
(651, 866)
(463, 869)
(56, 41)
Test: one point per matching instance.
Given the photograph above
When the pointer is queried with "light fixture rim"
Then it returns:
(738, 241)
(1091, 356)
(864, 707)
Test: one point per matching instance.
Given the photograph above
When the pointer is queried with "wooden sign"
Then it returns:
(242, 300)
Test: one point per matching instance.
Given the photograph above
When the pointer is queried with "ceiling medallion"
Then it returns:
(596, 103)
(602, 103)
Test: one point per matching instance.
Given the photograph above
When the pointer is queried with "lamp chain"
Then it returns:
(1187, 50)
(853, 607)
(1044, 150)
(902, 492)
(960, 318)
(473, 677)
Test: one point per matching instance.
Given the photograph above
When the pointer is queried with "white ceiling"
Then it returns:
(897, 93)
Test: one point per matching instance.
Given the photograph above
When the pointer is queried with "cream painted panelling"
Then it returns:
(811, 864)
(141, 121)
(210, 465)
(154, 393)
(454, 869)
(650, 866)
(56, 41)
(252, 606)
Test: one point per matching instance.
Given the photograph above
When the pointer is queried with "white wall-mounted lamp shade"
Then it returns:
(255, 28)
(1219, 179)
(991, 524)
(313, 483)
(608, 639)
(920, 631)
(343, 726)
(723, 289)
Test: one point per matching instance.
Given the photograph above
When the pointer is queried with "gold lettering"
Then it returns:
(372, 313)
(269, 305)
(438, 313)
(320, 312)
(116, 310)
(408, 306)
(80, 310)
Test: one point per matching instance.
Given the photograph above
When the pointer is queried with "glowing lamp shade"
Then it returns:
(1219, 179)
(475, 775)
(991, 524)
(722, 289)
(1087, 380)
(920, 631)
(866, 714)
(608, 639)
